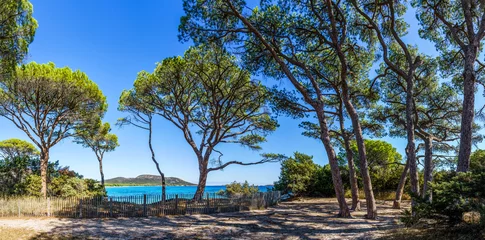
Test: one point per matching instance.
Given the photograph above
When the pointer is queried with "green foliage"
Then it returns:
(32, 185)
(463, 192)
(20, 176)
(65, 186)
(13, 148)
(239, 189)
(47, 103)
(302, 177)
(54, 100)
(296, 174)
(16, 33)
(477, 160)
(322, 184)
(203, 93)
(97, 137)
(385, 164)
(208, 88)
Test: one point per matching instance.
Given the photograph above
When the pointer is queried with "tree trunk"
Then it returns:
(44, 162)
(332, 159)
(411, 146)
(468, 113)
(199, 193)
(400, 186)
(364, 169)
(354, 187)
(428, 167)
(154, 159)
(100, 160)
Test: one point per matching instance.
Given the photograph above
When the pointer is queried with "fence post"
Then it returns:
(145, 205)
(18, 206)
(110, 207)
(208, 202)
(176, 203)
(48, 207)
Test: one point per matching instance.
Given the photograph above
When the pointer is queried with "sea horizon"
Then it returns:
(120, 191)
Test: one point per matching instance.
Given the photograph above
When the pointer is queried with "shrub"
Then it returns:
(238, 189)
(297, 174)
(463, 192)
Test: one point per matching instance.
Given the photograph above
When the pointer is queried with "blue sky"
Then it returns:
(111, 41)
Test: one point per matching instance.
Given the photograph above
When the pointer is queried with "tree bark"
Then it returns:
(354, 187)
(400, 186)
(44, 162)
(199, 193)
(162, 175)
(411, 146)
(428, 167)
(332, 159)
(364, 168)
(468, 114)
(100, 160)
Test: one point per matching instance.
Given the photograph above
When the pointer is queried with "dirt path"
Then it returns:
(307, 219)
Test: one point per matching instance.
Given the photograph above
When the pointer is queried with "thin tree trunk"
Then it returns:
(100, 160)
(411, 146)
(354, 187)
(400, 186)
(332, 159)
(428, 167)
(468, 113)
(364, 169)
(44, 162)
(162, 175)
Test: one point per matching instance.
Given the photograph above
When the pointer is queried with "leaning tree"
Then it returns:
(140, 116)
(206, 93)
(47, 103)
(98, 138)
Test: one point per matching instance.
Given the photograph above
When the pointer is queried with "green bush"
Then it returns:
(463, 192)
(302, 177)
(238, 189)
(297, 174)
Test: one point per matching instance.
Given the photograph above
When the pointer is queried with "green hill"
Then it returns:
(146, 180)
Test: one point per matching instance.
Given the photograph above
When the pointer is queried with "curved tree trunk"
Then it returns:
(332, 159)
(155, 160)
(44, 162)
(400, 186)
(411, 146)
(428, 167)
(468, 113)
(364, 169)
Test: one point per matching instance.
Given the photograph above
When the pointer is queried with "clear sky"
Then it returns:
(111, 41)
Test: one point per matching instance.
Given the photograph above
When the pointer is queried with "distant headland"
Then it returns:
(146, 180)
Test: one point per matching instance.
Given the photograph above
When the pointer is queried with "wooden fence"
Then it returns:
(133, 206)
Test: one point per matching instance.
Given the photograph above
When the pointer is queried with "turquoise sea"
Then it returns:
(157, 190)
